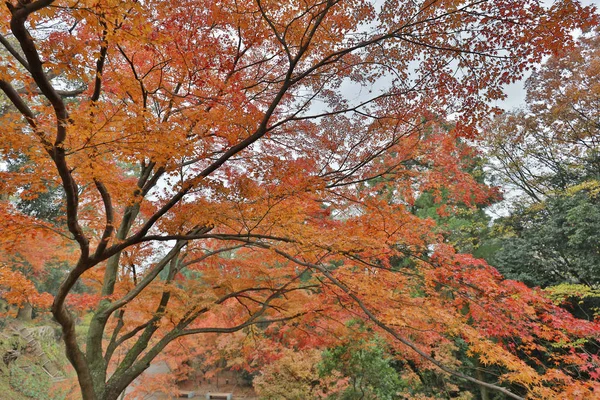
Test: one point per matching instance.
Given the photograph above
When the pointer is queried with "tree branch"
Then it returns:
(108, 210)
(392, 332)
(14, 52)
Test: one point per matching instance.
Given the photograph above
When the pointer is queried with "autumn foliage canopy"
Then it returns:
(226, 166)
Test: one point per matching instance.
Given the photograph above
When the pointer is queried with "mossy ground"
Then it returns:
(24, 378)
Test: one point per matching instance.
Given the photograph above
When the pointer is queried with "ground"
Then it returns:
(221, 382)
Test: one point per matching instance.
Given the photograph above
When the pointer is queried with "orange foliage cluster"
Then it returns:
(233, 166)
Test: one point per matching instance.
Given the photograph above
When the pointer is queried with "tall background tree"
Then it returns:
(549, 152)
(225, 164)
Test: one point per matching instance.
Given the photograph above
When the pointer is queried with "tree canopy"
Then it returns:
(229, 166)
(548, 151)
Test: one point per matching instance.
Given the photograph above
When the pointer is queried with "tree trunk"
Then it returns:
(485, 395)
(25, 312)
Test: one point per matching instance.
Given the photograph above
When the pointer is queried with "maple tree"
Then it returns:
(293, 376)
(231, 164)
